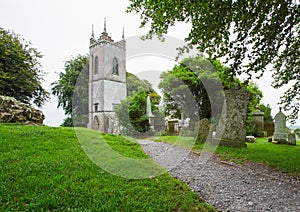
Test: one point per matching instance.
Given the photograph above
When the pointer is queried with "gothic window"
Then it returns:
(96, 65)
(115, 69)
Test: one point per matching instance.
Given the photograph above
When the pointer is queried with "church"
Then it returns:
(107, 81)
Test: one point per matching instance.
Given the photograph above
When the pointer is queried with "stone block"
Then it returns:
(250, 139)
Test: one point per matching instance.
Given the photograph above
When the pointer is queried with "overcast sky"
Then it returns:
(62, 29)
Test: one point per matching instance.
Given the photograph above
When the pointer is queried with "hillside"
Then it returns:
(44, 168)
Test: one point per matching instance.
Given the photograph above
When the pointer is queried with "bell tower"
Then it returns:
(107, 80)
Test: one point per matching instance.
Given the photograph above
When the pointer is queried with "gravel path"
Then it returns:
(226, 185)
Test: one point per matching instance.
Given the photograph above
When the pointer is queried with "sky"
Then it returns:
(61, 29)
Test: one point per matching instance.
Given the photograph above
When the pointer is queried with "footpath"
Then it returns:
(225, 185)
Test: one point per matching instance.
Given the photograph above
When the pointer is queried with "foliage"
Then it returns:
(266, 109)
(72, 89)
(131, 112)
(254, 36)
(68, 122)
(297, 131)
(201, 81)
(45, 169)
(134, 84)
(20, 70)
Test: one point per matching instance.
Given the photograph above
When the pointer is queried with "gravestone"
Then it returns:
(173, 126)
(269, 128)
(231, 130)
(280, 132)
(281, 135)
(258, 120)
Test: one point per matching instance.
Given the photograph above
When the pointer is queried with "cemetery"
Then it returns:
(201, 138)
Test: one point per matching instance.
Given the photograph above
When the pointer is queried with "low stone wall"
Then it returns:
(13, 111)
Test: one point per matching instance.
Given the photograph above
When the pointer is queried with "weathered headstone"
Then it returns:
(281, 135)
(173, 126)
(231, 130)
(269, 128)
(258, 120)
(292, 139)
(280, 132)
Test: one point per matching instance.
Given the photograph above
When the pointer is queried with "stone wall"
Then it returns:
(13, 111)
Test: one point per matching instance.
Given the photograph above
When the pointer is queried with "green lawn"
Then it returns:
(285, 158)
(45, 168)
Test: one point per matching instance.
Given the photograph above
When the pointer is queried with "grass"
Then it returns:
(281, 157)
(45, 168)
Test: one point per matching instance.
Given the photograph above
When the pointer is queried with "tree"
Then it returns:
(253, 36)
(197, 84)
(20, 70)
(266, 109)
(134, 83)
(72, 90)
(131, 112)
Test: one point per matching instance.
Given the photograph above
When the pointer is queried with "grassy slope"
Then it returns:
(45, 168)
(282, 157)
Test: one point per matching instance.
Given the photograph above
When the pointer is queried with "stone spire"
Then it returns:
(93, 36)
(123, 36)
(104, 30)
(104, 36)
(92, 39)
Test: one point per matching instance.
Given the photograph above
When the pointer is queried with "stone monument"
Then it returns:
(150, 114)
(281, 135)
(258, 120)
(231, 130)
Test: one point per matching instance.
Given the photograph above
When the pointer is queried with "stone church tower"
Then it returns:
(107, 81)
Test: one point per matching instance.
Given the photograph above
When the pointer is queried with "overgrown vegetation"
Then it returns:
(44, 168)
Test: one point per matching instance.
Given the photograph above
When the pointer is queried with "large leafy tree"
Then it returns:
(72, 90)
(134, 84)
(254, 36)
(195, 87)
(20, 70)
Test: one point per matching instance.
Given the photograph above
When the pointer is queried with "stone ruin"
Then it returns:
(281, 135)
(13, 111)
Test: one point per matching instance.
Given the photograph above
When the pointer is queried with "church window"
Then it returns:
(96, 65)
(96, 107)
(115, 69)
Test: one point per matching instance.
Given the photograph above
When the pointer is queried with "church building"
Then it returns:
(107, 81)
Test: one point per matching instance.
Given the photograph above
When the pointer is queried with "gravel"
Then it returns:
(226, 185)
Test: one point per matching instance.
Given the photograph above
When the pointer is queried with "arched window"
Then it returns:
(115, 69)
(96, 65)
